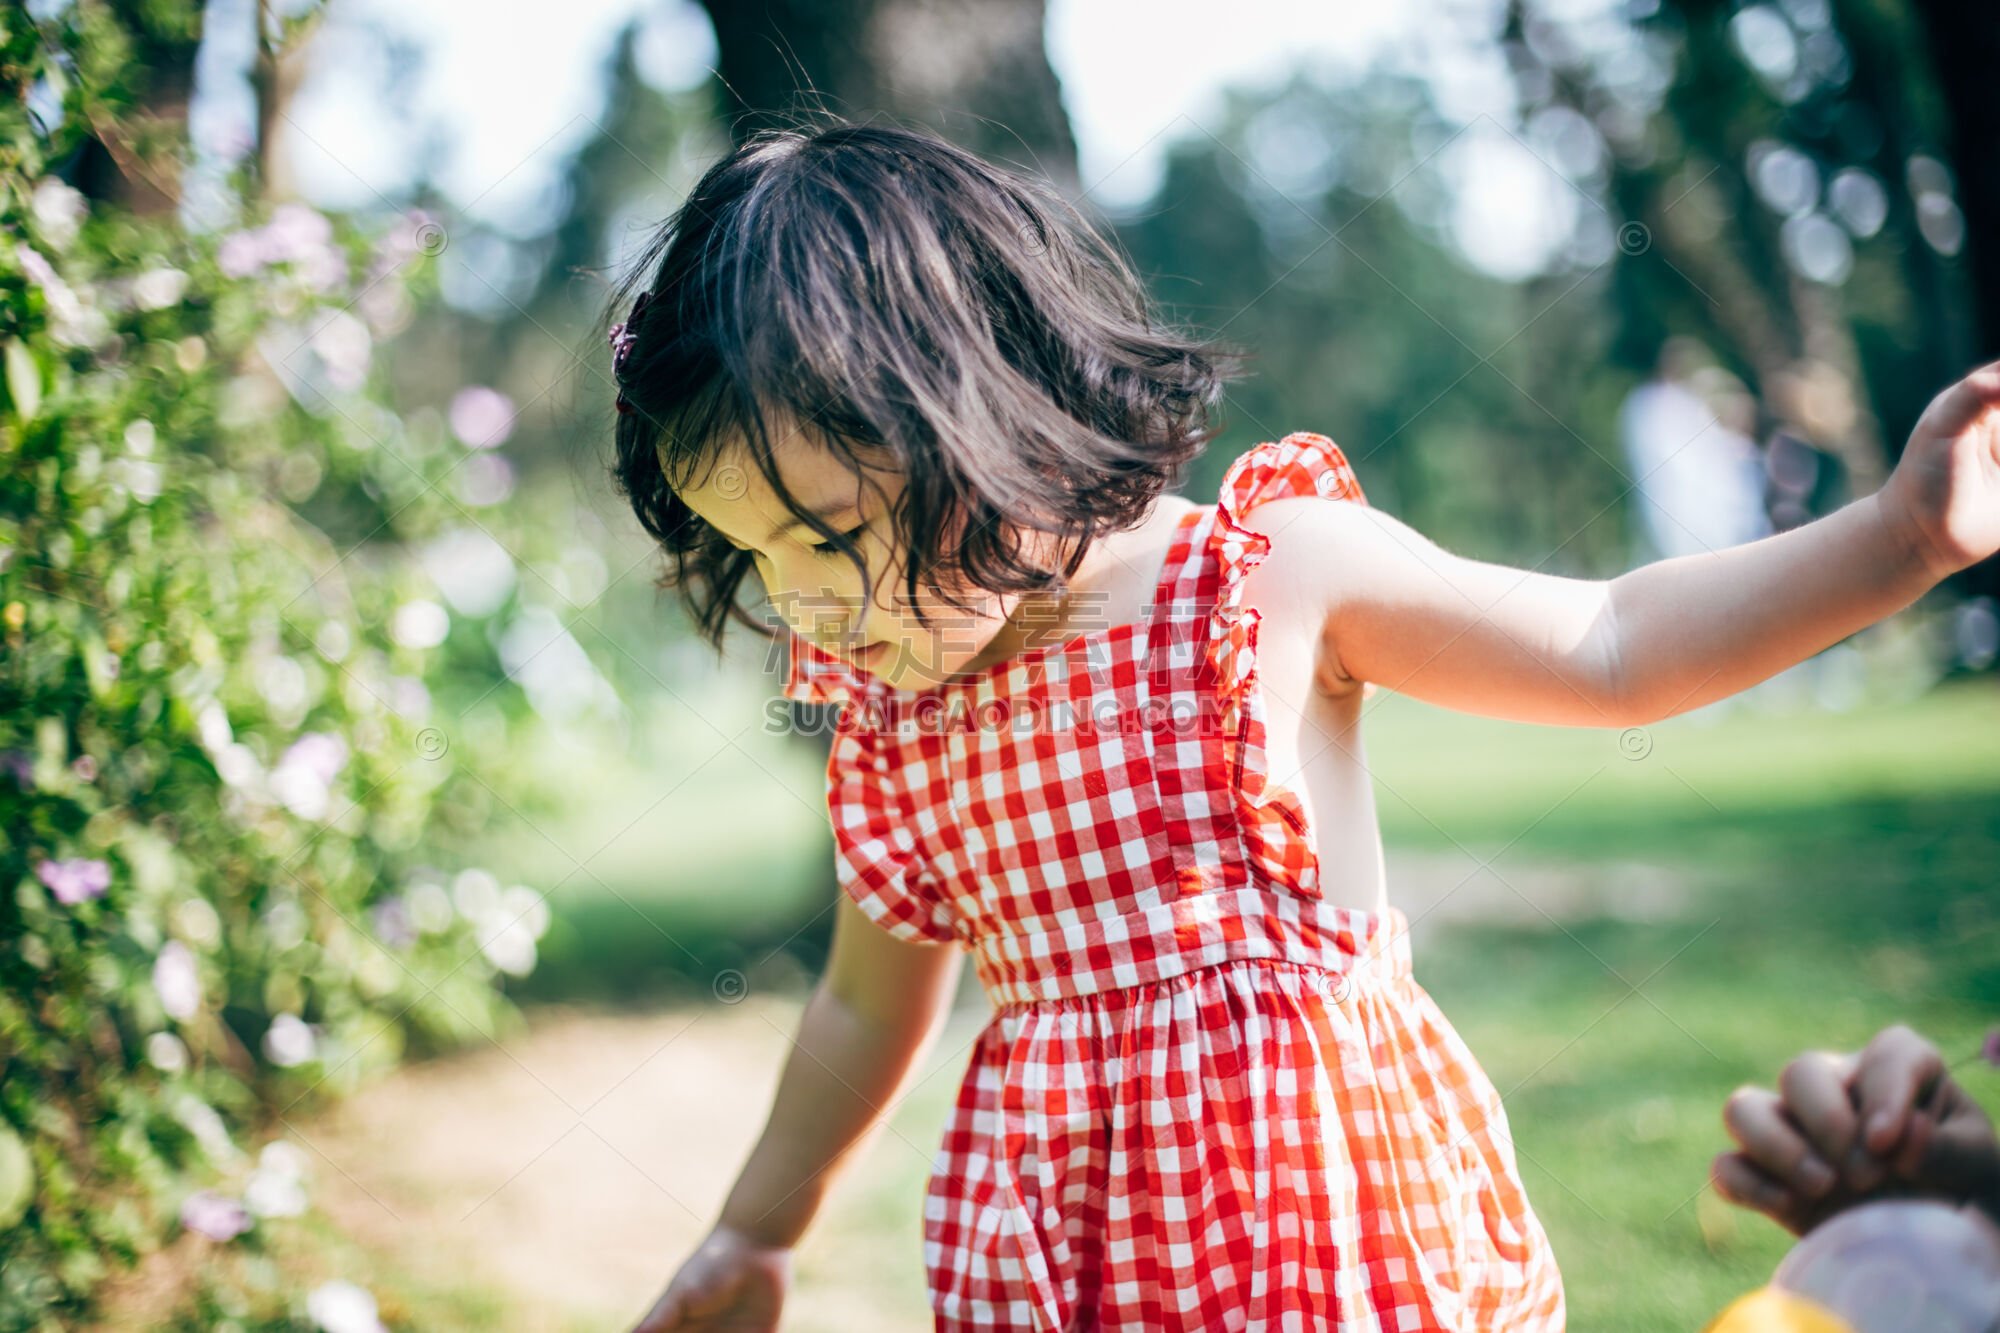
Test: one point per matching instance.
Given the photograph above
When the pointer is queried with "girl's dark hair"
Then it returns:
(905, 302)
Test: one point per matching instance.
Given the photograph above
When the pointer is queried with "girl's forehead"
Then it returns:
(733, 493)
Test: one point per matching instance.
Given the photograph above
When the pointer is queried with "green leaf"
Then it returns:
(17, 1177)
(97, 669)
(24, 379)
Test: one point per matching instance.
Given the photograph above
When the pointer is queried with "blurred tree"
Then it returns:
(975, 70)
(1785, 196)
(128, 159)
(121, 161)
(283, 52)
(1315, 225)
(1965, 51)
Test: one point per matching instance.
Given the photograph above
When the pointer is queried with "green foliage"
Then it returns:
(227, 787)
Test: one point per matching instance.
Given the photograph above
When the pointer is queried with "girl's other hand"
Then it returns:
(731, 1282)
(1944, 496)
(1887, 1121)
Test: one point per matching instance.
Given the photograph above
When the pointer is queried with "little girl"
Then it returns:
(1106, 741)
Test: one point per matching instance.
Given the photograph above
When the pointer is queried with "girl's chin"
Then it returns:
(903, 668)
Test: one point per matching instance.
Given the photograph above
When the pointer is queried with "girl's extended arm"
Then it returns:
(1399, 610)
(871, 1017)
(1483, 638)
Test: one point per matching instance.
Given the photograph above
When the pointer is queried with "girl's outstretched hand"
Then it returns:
(1843, 1129)
(731, 1282)
(1945, 491)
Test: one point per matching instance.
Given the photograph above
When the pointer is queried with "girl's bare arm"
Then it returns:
(1401, 611)
(1393, 607)
(871, 1017)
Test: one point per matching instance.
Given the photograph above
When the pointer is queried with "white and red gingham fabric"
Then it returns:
(1208, 1098)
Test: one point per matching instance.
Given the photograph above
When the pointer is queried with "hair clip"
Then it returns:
(623, 335)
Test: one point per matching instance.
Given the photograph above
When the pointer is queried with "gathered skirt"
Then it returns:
(1257, 1144)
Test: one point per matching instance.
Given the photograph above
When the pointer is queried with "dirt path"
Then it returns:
(571, 1168)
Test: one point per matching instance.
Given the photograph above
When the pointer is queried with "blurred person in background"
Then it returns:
(1687, 434)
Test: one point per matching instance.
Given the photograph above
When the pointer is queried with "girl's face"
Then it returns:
(815, 588)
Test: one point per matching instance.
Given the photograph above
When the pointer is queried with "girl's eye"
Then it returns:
(828, 548)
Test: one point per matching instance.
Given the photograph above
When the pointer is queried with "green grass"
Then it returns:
(701, 845)
(1848, 873)
(1444, 776)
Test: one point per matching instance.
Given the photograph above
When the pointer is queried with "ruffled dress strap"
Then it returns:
(875, 814)
(821, 677)
(880, 808)
(815, 677)
(1278, 840)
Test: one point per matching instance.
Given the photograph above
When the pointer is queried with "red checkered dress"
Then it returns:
(1207, 1099)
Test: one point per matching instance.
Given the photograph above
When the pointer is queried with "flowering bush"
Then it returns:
(229, 793)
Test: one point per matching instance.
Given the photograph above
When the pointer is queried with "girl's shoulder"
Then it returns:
(1301, 465)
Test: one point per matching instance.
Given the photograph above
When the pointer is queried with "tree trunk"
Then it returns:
(274, 78)
(1965, 49)
(134, 161)
(976, 71)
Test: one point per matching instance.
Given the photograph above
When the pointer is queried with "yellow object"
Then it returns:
(1774, 1310)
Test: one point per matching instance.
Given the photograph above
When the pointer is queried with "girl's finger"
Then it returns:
(665, 1315)
(1897, 1072)
(1958, 405)
(1738, 1179)
(1814, 1086)
(705, 1301)
(1756, 1119)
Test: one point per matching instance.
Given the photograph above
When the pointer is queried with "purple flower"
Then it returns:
(304, 776)
(418, 232)
(216, 1216)
(37, 267)
(85, 767)
(20, 765)
(481, 417)
(392, 922)
(75, 879)
(1990, 1050)
(320, 753)
(295, 231)
(240, 254)
(296, 235)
